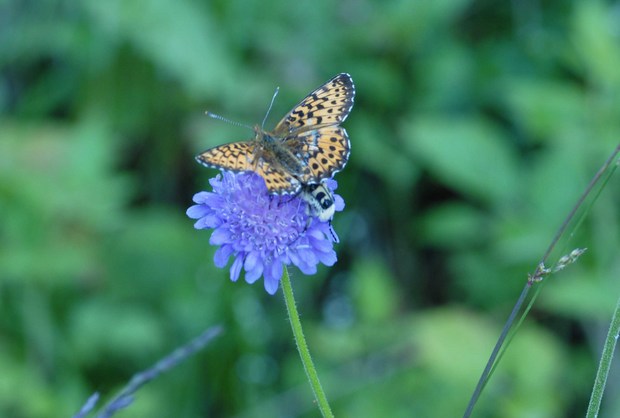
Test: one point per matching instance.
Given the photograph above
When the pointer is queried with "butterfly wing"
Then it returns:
(235, 156)
(278, 180)
(325, 151)
(328, 105)
(246, 156)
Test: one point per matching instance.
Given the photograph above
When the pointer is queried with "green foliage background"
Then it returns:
(476, 126)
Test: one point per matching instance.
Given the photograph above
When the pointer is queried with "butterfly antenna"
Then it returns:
(273, 99)
(223, 119)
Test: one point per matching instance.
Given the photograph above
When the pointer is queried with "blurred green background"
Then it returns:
(476, 126)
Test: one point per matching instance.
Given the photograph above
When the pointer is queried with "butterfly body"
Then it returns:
(306, 146)
(277, 154)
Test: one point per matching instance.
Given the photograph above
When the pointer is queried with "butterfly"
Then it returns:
(306, 146)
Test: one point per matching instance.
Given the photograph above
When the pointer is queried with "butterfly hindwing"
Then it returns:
(277, 180)
(325, 151)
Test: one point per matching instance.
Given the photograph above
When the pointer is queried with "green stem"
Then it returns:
(302, 347)
(604, 365)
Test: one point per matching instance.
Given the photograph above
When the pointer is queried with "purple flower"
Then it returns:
(262, 232)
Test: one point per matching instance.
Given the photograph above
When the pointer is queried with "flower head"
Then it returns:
(262, 232)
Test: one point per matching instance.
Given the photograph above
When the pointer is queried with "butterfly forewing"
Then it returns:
(328, 105)
(236, 156)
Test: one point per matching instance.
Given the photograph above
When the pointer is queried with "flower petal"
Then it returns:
(276, 270)
(339, 203)
(208, 222)
(200, 197)
(221, 256)
(329, 259)
(250, 260)
(320, 245)
(307, 268)
(220, 236)
(197, 211)
(235, 269)
(254, 274)
(271, 285)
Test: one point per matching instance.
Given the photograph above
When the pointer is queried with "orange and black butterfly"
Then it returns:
(306, 146)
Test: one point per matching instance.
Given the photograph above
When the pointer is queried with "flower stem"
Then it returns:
(302, 347)
(604, 365)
